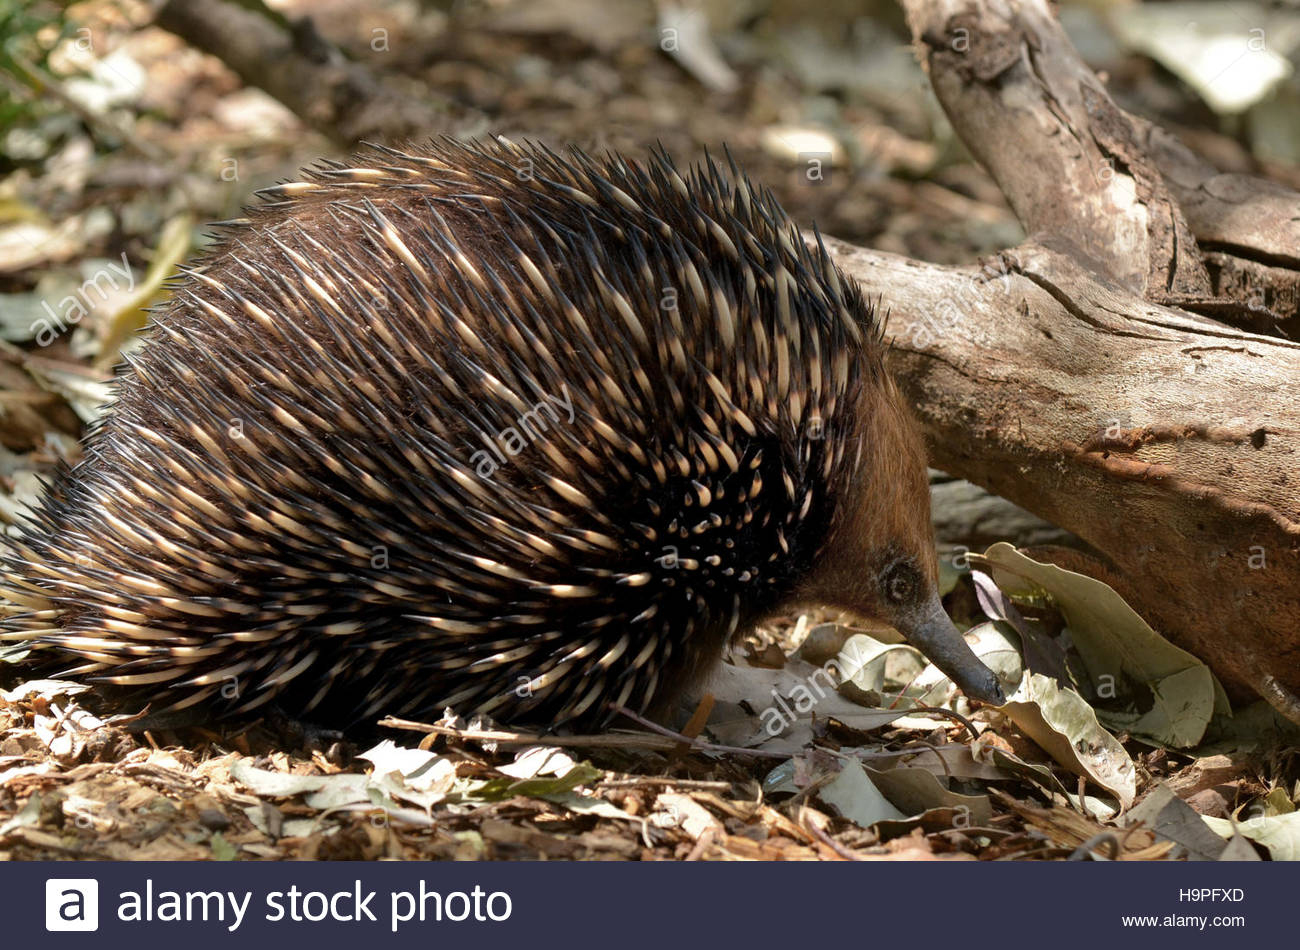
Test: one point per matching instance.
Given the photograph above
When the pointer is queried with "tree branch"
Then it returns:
(1059, 376)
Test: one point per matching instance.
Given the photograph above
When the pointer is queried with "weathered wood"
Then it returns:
(1059, 376)
(1165, 441)
(970, 518)
(1064, 155)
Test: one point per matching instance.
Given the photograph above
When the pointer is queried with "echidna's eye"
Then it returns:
(900, 582)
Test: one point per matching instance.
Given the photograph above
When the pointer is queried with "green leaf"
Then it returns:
(223, 850)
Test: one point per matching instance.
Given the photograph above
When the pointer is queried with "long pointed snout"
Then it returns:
(931, 632)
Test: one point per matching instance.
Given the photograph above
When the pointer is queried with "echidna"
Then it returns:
(490, 428)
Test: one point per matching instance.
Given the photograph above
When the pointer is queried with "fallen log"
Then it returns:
(1093, 375)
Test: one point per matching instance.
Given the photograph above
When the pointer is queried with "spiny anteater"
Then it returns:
(486, 427)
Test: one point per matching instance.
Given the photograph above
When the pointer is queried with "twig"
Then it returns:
(830, 842)
(643, 781)
(667, 742)
(1085, 850)
(970, 727)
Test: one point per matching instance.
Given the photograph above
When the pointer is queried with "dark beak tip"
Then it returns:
(933, 633)
(989, 691)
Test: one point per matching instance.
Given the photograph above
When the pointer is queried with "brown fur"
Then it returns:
(885, 515)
